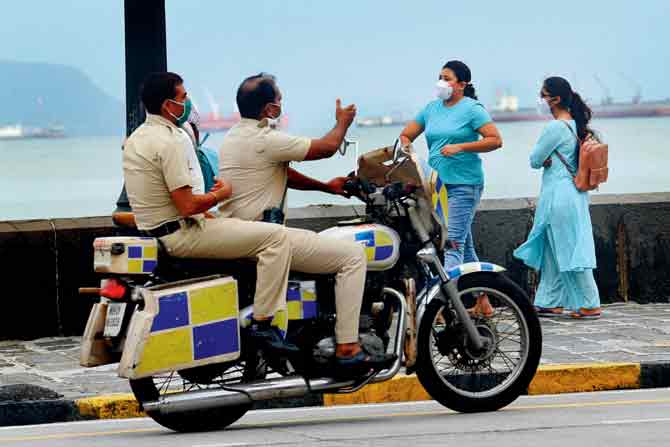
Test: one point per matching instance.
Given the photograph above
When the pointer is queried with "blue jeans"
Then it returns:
(463, 201)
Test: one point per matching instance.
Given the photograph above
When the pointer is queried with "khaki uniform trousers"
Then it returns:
(312, 253)
(228, 238)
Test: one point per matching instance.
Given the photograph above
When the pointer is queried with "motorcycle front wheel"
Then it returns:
(464, 379)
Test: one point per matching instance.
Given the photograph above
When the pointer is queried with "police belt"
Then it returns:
(163, 230)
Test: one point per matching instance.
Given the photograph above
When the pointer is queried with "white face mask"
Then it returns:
(543, 107)
(443, 90)
(275, 122)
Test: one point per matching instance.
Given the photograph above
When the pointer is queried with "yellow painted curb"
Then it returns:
(113, 406)
(549, 379)
(398, 389)
(554, 379)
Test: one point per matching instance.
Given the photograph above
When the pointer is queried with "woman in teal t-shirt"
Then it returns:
(457, 128)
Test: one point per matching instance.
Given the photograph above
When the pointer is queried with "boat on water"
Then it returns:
(20, 132)
(381, 121)
(507, 110)
(213, 122)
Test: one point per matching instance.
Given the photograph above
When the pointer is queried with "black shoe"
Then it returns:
(267, 336)
(362, 364)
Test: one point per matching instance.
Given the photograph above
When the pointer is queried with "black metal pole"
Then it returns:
(146, 52)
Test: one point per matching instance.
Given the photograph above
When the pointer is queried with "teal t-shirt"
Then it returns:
(453, 125)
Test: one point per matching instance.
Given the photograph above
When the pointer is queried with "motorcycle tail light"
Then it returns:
(113, 289)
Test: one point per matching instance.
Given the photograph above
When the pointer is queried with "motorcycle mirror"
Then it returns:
(396, 150)
(345, 145)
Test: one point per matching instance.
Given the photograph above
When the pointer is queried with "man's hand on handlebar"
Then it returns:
(336, 186)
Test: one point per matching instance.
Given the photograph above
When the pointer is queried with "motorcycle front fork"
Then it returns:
(450, 292)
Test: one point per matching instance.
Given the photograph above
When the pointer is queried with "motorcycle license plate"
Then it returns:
(102, 258)
(114, 319)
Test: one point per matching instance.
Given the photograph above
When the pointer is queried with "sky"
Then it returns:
(384, 56)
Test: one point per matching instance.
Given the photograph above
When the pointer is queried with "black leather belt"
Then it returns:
(163, 230)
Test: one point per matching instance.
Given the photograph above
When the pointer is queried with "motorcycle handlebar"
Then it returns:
(355, 186)
(398, 190)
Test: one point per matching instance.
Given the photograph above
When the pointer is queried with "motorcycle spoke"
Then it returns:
(504, 359)
(165, 385)
(480, 372)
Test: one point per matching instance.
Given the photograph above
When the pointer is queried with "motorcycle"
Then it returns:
(177, 327)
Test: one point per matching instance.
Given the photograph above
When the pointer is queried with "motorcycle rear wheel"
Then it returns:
(151, 388)
(468, 381)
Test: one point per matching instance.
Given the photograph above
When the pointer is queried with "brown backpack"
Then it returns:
(592, 169)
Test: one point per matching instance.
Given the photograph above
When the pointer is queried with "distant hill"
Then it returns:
(38, 94)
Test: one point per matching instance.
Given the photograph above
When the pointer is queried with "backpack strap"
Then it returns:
(571, 131)
(561, 157)
(565, 162)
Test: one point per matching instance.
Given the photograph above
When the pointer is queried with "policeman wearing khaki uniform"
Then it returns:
(159, 185)
(254, 158)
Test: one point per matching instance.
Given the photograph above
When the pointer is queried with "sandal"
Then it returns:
(549, 312)
(586, 314)
(482, 307)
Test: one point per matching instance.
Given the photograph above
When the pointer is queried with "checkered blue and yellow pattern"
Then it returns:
(301, 304)
(142, 258)
(193, 327)
(139, 255)
(472, 267)
(440, 201)
(378, 244)
(301, 300)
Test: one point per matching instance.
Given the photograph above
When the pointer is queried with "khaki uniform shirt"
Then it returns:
(255, 160)
(155, 164)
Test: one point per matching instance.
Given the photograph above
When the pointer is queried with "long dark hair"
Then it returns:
(463, 74)
(571, 101)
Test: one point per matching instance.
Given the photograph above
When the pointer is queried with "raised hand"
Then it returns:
(344, 116)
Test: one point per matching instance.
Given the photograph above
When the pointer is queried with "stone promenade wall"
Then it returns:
(45, 261)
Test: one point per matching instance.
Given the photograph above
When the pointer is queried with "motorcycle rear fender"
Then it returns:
(95, 350)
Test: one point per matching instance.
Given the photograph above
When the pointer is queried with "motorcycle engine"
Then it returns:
(324, 351)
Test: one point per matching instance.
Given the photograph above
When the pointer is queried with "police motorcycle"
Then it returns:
(177, 327)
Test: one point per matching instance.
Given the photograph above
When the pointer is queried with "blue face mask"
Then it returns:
(187, 105)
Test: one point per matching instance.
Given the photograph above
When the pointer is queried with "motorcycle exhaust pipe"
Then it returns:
(277, 388)
(242, 394)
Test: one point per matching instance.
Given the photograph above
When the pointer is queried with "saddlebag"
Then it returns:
(183, 326)
(125, 255)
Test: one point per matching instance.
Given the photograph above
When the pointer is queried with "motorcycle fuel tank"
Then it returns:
(382, 244)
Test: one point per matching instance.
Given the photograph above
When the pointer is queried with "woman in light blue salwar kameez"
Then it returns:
(560, 245)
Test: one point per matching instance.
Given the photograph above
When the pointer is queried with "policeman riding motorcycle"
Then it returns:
(185, 330)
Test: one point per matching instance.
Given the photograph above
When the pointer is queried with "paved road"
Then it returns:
(612, 419)
(626, 333)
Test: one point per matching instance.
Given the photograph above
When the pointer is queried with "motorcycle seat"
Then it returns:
(124, 219)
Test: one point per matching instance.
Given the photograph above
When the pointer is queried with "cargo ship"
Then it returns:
(382, 121)
(20, 132)
(507, 110)
(213, 122)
